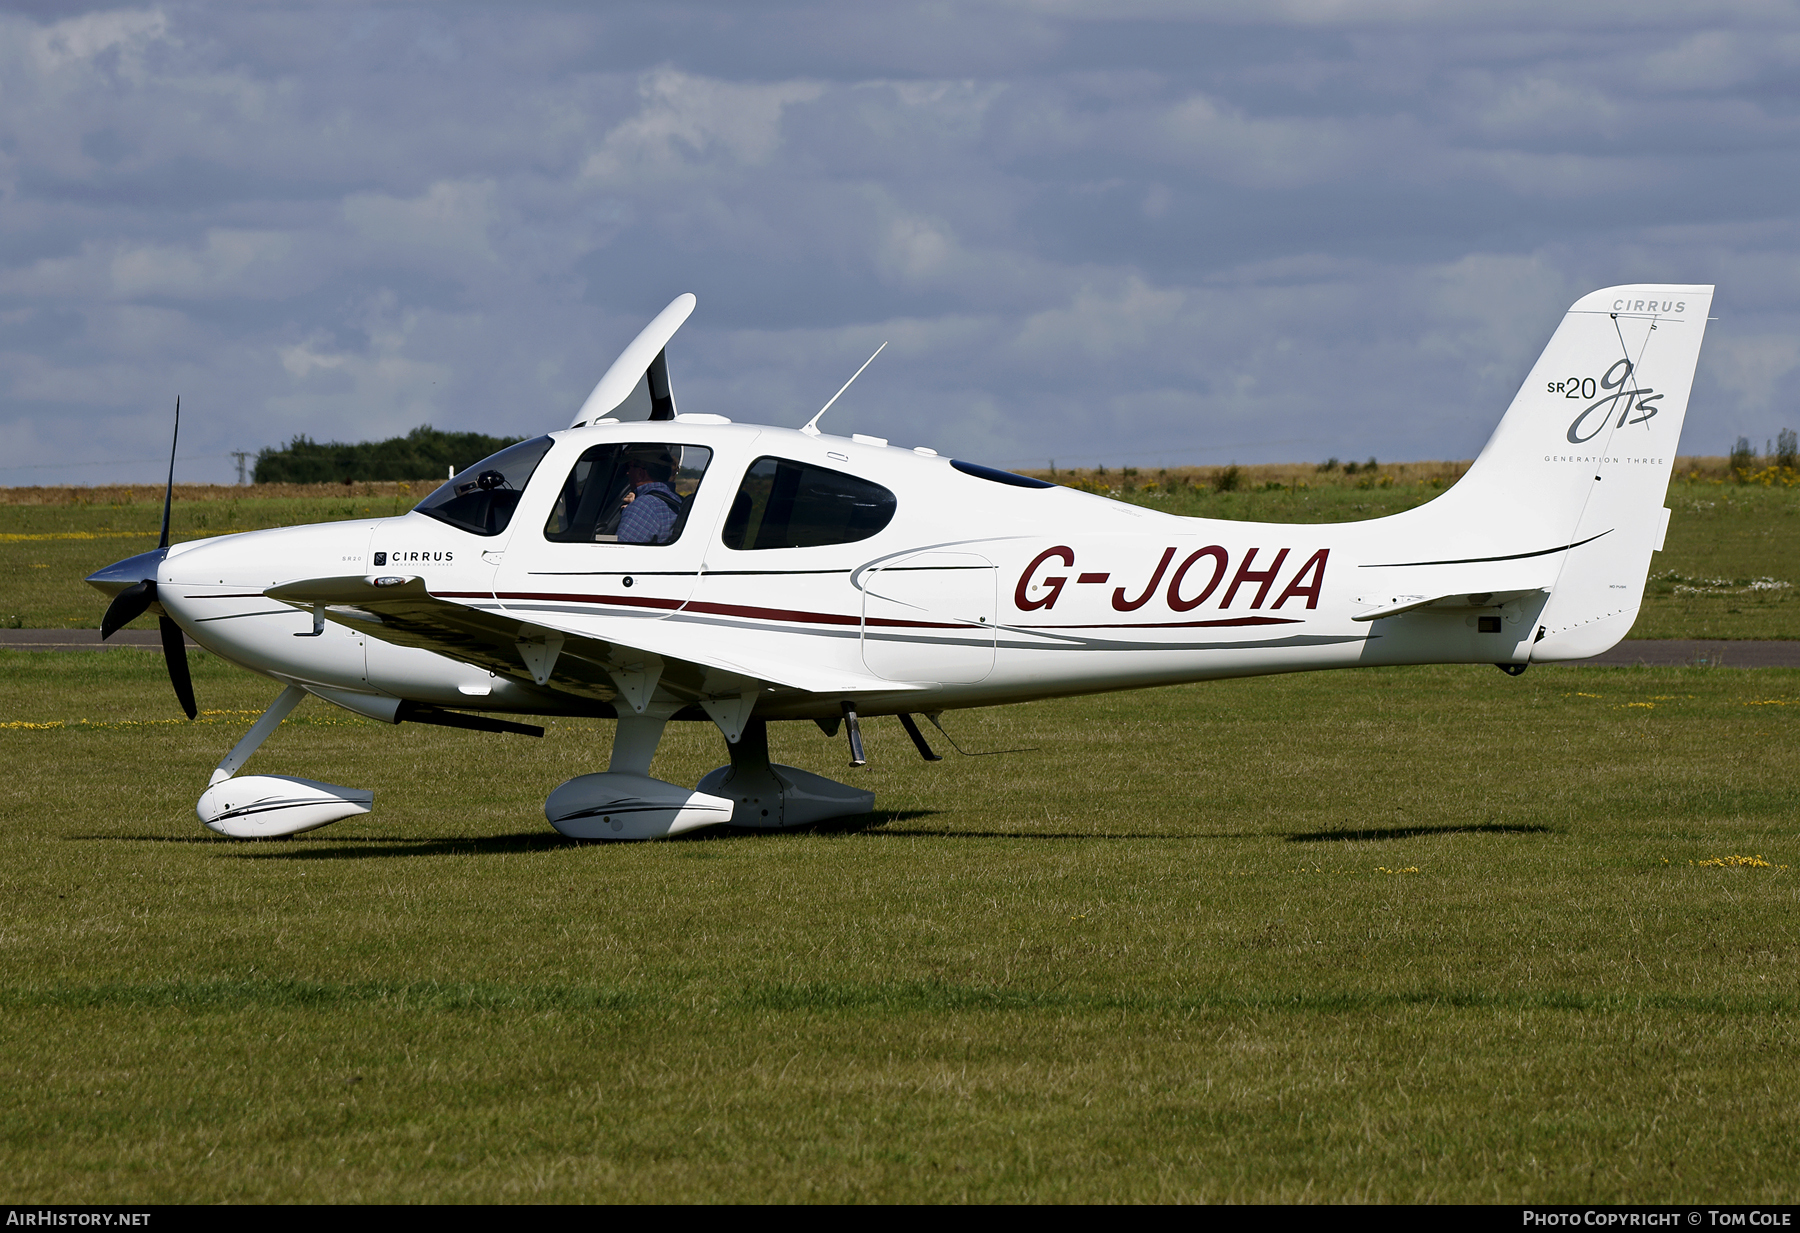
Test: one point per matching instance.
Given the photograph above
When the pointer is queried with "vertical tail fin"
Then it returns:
(1580, 464)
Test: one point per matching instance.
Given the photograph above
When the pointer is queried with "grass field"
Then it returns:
(1409, 935)
(1729, 569)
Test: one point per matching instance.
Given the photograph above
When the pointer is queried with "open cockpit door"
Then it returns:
(639, 378)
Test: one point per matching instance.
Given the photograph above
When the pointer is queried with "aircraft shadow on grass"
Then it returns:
(376, 847)
(346, 847)
(870, 822)
(1417, 832)
(299, 848)
(1135, 836)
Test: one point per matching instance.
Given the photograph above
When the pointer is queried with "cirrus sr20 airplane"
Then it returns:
(651, 566)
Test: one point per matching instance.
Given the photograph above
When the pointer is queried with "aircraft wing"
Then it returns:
(606, 658)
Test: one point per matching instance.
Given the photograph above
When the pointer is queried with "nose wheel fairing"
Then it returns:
(274, 806)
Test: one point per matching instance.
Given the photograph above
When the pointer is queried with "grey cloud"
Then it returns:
(1091, 232)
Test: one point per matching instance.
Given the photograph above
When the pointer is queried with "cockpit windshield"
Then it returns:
(482, 498)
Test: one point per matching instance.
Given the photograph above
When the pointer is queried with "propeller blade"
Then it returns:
(175, 655)
(127, 606)
(169, 492)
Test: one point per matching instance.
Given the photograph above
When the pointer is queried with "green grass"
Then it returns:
(1729, 569)
(1157, 958)
(1731, 565)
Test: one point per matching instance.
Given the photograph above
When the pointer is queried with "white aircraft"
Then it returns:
(650, 566)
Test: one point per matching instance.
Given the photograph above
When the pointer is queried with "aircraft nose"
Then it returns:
(129, 572)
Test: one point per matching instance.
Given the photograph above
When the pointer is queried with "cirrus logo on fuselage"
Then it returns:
(446, 557)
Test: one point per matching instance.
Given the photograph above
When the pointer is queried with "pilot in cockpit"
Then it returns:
(650, 506)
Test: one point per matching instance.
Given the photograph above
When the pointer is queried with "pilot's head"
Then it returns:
(654, 461)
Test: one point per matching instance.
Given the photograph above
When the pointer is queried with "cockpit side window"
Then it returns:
(628, 493)
(482, 499)
(784, 504)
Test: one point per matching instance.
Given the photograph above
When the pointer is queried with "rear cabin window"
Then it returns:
(628, 494)
(784, 504)
(998, 476)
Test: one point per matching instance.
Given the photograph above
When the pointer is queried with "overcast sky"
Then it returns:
(1094, 232)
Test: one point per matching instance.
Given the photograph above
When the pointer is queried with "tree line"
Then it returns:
(1781, 458)
(423, 453)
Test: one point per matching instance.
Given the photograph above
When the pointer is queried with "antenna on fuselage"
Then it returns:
(811, 427)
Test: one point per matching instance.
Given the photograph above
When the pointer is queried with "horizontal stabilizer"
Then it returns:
(1461, 601)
